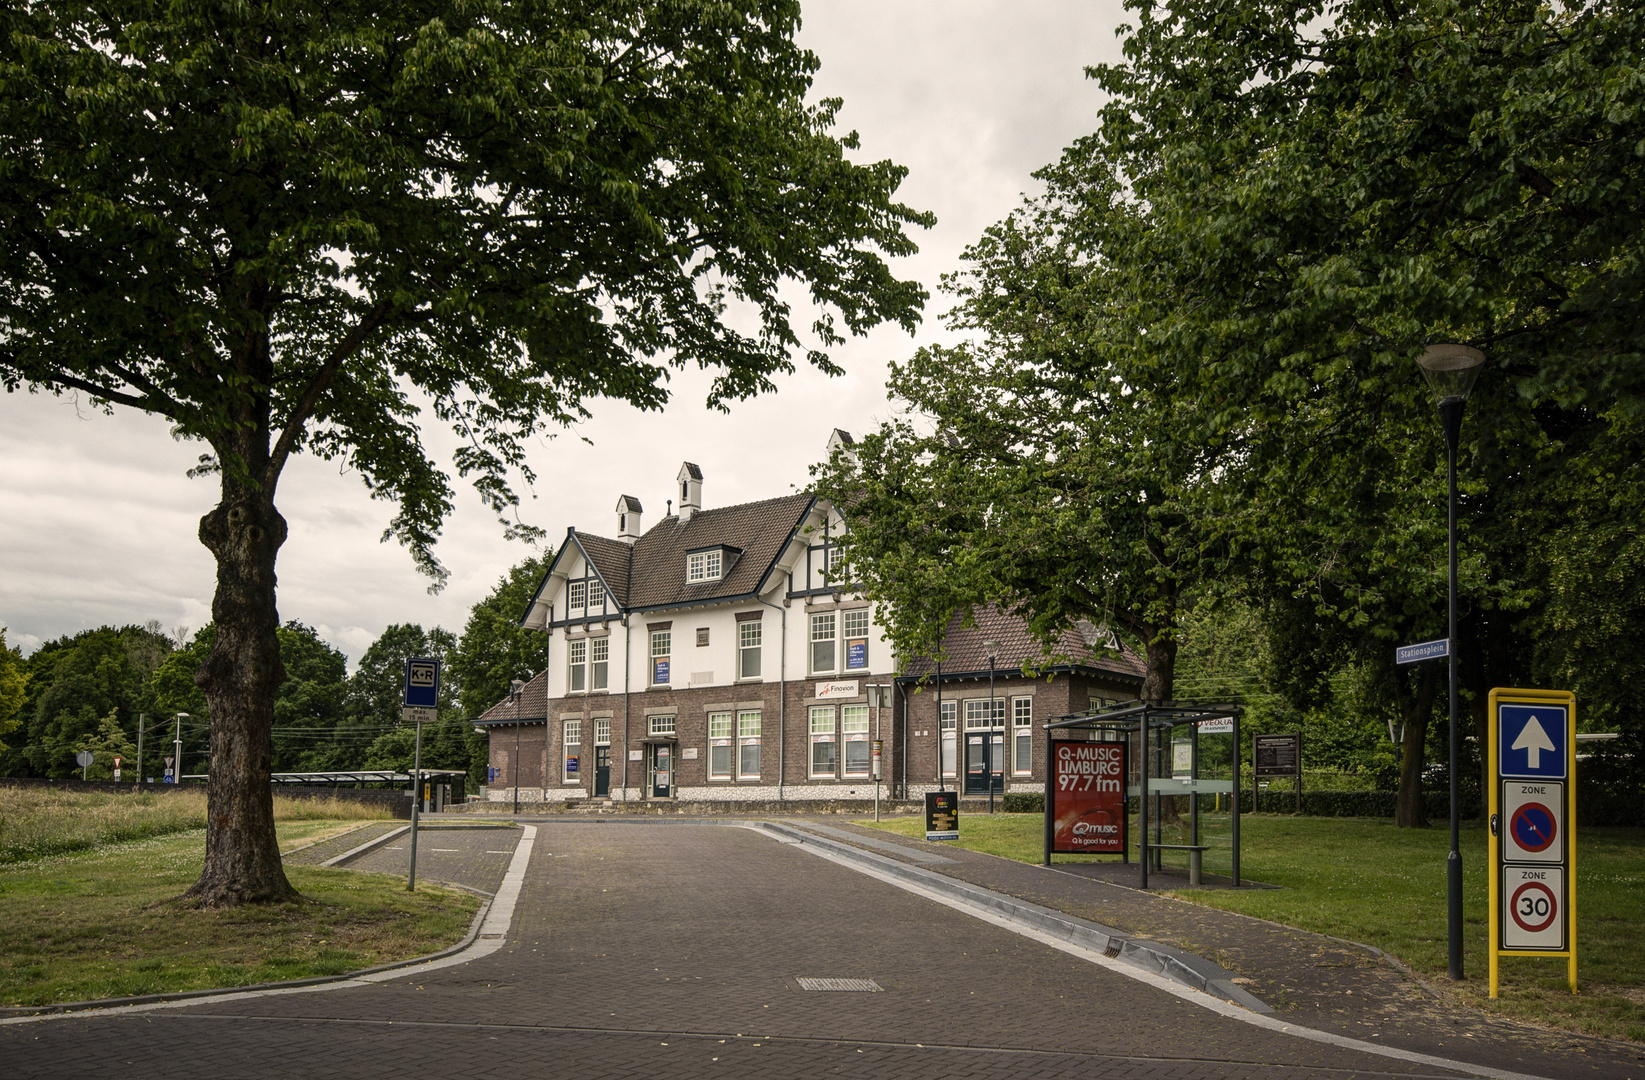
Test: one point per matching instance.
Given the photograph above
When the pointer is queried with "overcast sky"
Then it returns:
(98, 522)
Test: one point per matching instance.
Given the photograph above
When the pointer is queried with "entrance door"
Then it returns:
(602, 771)
(662, 771)
(977, 773)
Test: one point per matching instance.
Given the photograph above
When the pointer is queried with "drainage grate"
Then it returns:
(861, 985)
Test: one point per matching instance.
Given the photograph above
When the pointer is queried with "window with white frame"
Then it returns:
(660, 725)
(703, 566)
(661, 644)
(602, 731)
(577, 596)
(750, 634)
(721, 736)
(822, 642)
(596, 597)
(854, 631)
(947, 714)
(748, 745)
(825, 746)
(1022, 730)
(599, 663)
(977, 713)
(573, 750)
(577, 656)
(854, 734)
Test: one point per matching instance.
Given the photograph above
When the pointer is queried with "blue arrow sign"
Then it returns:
(422, 684)
(1428, 650)
(1532, 741)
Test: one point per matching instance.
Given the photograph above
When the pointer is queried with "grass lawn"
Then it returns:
(1364, 880)
(98, 923)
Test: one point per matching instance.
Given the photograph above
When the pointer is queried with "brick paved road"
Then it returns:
(466, 855)
(671, 951)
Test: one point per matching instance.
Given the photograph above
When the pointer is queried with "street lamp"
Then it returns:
(992, 648)
(177, 749)
(515, 688)
(1451, 371)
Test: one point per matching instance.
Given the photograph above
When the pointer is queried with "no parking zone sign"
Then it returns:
(1532, 747)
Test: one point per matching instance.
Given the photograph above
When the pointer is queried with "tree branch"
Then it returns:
(304, 408)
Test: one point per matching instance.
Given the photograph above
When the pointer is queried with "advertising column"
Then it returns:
(1533, 826)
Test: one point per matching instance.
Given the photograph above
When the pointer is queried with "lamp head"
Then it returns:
(1451, 370)
(992, 648)
(182, 716)
(515, 688)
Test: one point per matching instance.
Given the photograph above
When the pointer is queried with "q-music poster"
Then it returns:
(1088, 797)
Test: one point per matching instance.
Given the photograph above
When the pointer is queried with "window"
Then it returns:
(577, 657)
(660, 645)
(599, 666)
(854, 730)
(596, 597)
(976, 714)
(748, 745)
(822, 642)
(703, 566)
(824, 745)
(660, 725)
(946, 717)
(749, 636)
(573, 749)
(720, 734)
(578, 596)
(1022, 727)
(602, 731)
(856, 638)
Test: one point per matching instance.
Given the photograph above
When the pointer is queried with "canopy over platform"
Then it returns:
(1146, 725)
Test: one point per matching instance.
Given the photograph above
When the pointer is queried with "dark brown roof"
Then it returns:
(1081, 647)
(611, 558)
(533, 703)
(656, 574)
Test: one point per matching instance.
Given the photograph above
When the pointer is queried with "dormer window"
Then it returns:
(704, 565)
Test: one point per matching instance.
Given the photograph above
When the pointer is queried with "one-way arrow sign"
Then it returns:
(1532, 741)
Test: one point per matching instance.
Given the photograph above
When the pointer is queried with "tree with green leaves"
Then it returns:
(14, 681)
(495, 649)
(298, 227)
(76, 682)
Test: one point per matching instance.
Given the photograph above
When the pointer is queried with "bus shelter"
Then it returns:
(1144, 750)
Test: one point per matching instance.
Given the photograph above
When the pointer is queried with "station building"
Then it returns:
(710, 659)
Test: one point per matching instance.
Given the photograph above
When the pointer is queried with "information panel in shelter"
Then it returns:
(1087, 797)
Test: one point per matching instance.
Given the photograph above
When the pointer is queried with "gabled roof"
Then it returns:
(760, 529)
(610, 559)
(1083, 647)
(533, 704)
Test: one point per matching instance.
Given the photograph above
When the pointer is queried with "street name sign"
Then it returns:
(1427, 650)
(1532, 751)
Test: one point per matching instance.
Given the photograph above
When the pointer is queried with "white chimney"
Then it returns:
(628, 518)
(841, 438)
(691, 490)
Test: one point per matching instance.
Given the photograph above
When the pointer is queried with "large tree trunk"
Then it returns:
(1415, 712)
(1160, 654)
(240, 678)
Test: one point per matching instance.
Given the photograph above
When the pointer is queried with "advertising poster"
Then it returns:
(942, 815)
(1088, 798)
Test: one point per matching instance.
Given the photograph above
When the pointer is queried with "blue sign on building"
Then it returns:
(1532, 741)
(659, 673)
(856, 654)
(422, 684)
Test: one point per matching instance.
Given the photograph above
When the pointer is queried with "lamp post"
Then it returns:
(515, 688)
(993, 650)
(177, 749)
(1450, 371)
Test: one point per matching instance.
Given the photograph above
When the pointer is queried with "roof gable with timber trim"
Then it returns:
(608, 559)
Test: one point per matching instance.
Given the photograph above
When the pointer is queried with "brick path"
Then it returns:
(465, 855)
(655, 950)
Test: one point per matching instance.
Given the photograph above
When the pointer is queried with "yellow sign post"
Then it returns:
(1532, 802)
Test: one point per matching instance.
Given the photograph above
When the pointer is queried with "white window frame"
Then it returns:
(660, 725)
(748, 738)
(976, 714)
(856, 749)
(750, 640)
(576, 652)
(576, 598)
(948, 737)
(599, 663)
(662, 643)
(822, 723)
(1022, 736)
(602, 731)
(820, 620)
(850, 633)
(571, 750)
(722, 735)
(596, 596)
(704, 566)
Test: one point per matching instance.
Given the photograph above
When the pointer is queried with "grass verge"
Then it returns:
(1367, 881)
(81, 926)
(40, 822)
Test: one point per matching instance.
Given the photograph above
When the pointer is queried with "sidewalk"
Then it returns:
(1308, 979)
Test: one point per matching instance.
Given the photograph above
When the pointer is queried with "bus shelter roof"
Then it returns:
(1131, 715)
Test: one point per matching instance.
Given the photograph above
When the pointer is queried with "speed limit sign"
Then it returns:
(1535, 903)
